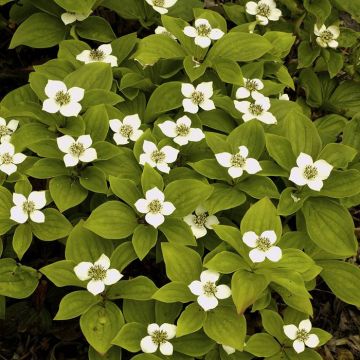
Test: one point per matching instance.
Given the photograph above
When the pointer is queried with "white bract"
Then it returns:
(101, 54)
(264, 10)
(251, 86)
(8, 158)
(228, 349)
(160, 30)
(155, 207)
(238, 163)
(181, 131)
(161, 6)
(99, 274)
(158, 338)
(61, 99)
(199, 96)
(28, 207)
(256, 110)
(301, 336)
(200, 222)
(310, 173)
(263, 246)
(7, 129)
(71, 17)
(284, 97)
(76, 150)
(126, 130)
(326, 36)
(158, 158)
(203, 33)
(207, 291)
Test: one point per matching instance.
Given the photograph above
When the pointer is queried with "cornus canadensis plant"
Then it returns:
(181, 181)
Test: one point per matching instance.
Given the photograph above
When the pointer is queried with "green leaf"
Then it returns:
(282, 42)
(320, 8)
(211, 169)
(197, 344)
(47, 168)
(94, 179)
(226, 262)
(174, 291)
(123, 255)
(228, 71)
(307, 54)
(61, 273)
(232, 236)
(190, 320)
(129, 336)
(150, 178)
(342, 184)
(82, 7)
(144, 239)
(177, 231)
(259, 187)
(22, 239)
(280, 150)
(125, 190)
(95, 28)
(262, 345)
(123, 46)
(351, 133)
(273, 324)
(290, 202)
(97, 122)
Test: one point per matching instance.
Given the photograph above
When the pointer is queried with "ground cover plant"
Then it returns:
(180, 179)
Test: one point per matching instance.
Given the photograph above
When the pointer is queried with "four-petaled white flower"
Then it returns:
(8, 158)
(203, 33)
(7, 129)
(301, 336)
(158, 339)
(310, 173)
(99, 274)
(199, 96)
(200, 221)
(76, 150)
(28, 207)
(181, 130)
(207, 291)
(155, 207)
(256, 110)
(158, 158)
(161, 6)
(251, 86)
(326, 36)
(160, 30)
(71, 17)
(62, 99)
(238, 163)
(228, 349)
(264, 10)
(263, 246)
(127, 129)
(101, 54)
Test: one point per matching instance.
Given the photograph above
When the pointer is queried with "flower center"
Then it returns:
(155, 206)
(6, 158)
(182, 130)
(62, 98)
(97, 55)
(197, 97)
(310, 172)
(263, 244)
(203, 30)
(157, 156)
(4, 130)
(126, 130)
(28, 206)
(97, 272)
(251, 85)
(237, 160)
(209, 288)
(77, 149)
(302, 335)
(159, 337)
(326, 35)
(200, 220)
(255, 109)
(263, 10)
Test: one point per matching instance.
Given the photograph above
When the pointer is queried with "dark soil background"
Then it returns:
(28, 332)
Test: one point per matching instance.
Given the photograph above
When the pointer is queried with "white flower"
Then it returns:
(256, 110)
(99, 274)
(251, 86)
(264, 10)
(158, 158)
(262, 246)
(71, 17)
(160, 30)
(238, 163)
(7, 129)
(310, 173)
(207, 291)
(8, 158)
(200, 221)
(28, 207)
(158, 338)
(181, 130)
(203, 33)
(161, 6)
(76, 150)
(127, 129)
(62, 99)
(228, 349)
(199, 96)
(284, 97)
(101, 54)
(301, 336)
(326, 36)
(154, 207)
